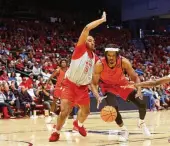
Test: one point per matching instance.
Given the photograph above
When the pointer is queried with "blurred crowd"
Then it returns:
(30, 51)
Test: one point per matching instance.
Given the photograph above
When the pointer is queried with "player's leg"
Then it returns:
(67, 101)
(55, 106)
(83, 101)
(141, 104)
(111, 101)
(83, 112)
(66, 107)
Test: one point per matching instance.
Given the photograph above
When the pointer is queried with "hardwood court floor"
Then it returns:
(35, 132)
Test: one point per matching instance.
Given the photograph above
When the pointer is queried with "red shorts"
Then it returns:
(78, 95)
(57, 92)
(117, 90)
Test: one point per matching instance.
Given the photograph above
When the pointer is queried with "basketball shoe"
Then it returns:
(144, 129)
(123, 136)
(81, 130)
(55, 135)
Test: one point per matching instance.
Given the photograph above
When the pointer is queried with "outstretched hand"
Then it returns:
(104, 16)
(99, 100)
(130, 85)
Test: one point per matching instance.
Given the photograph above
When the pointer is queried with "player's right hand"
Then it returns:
(104, 16)
(99, 100)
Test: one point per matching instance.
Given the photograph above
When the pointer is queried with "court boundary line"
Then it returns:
(26, 142)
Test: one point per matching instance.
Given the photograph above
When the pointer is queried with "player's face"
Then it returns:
(90, 43)
(63, 64)
(111, 57)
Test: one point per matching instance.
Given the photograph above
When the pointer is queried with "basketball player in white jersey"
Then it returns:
(77, 79)
(153, 83)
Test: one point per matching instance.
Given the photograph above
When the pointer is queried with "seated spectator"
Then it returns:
(4, 76)
(12, 77)
(163, 96)
(15, 92)
(46, 74)
(19, 64)
(24, 83)
(36, 70)
(6, 107)
(30, 80)
(27, 102)
(10, 68)
(45, 97)
(157, 99)
(10, 98)
(32, 91)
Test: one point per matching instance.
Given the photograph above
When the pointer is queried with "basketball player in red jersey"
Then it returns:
(59, 73)
(78, 77)
(110, 72)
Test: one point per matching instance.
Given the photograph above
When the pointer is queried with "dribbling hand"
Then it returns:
(99, 100)
(104, 16)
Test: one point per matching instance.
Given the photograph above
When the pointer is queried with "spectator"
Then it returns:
(27, 102)
(5, 105)
(45, 97)
(10, 98)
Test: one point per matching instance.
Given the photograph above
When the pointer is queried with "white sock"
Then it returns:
(141, 121)
(80, 124)
(55, 130)
(123, 128)
(58, 131)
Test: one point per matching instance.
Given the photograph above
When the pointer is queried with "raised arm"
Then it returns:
(88, 27)
(96, 77)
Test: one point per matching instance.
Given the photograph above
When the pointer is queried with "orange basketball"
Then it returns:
(108, 114)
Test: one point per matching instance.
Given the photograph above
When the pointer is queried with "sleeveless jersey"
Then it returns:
(81, 66)
(115, 76)
(60, 78)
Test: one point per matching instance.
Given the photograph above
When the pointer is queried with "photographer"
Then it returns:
(44, 95)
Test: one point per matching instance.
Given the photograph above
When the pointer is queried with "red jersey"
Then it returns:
(60, 78)
(58, 87)
(113, 79)
(115, 76)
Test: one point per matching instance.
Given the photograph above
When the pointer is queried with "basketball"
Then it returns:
(108, 114)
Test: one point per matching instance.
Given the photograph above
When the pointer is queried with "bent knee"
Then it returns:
(64, 112)
(86, 111)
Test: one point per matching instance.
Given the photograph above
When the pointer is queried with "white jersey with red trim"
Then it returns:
(169, 75)
(81, 67)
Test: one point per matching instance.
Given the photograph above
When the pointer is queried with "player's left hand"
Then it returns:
(99, 100)
(104, 16)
